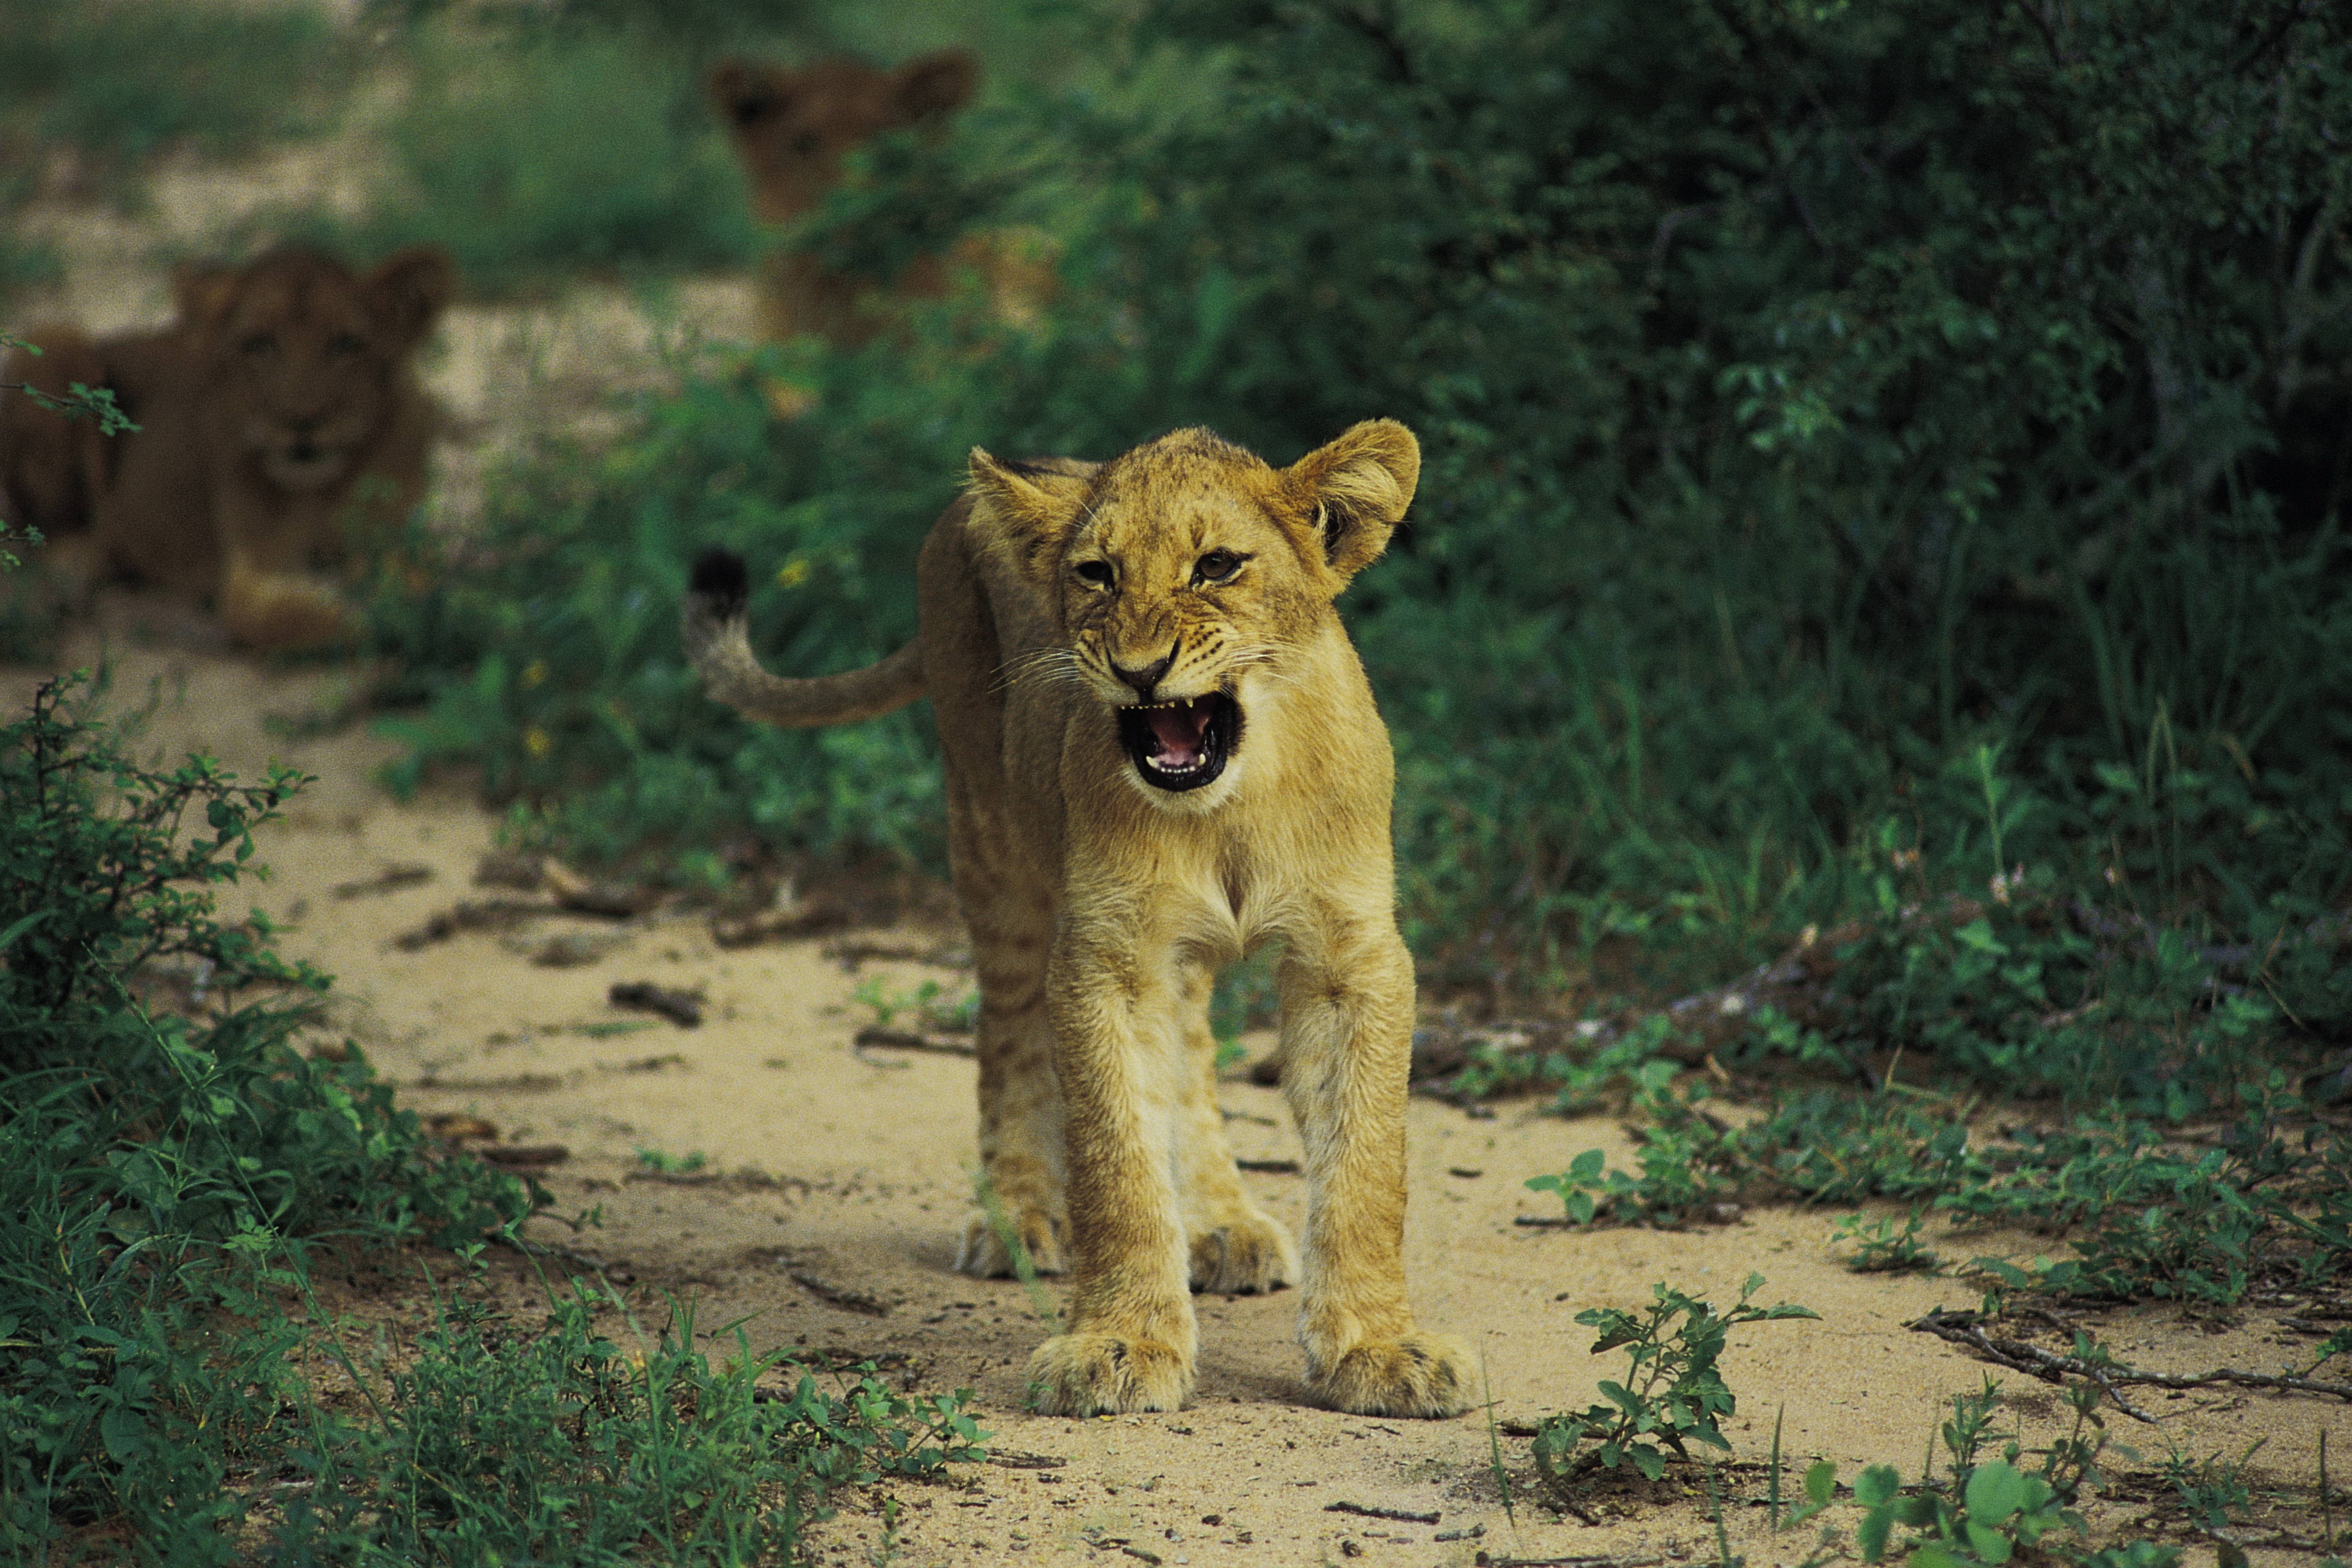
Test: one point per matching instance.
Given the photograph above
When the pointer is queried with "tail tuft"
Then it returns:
(721, 582)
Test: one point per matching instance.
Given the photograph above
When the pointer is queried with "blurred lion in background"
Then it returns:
(791, 130)
(280, 425)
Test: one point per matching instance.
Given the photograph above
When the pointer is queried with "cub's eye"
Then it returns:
(342, 345)
(808, 143)
(259, 343)
(1097, 572)
(1217, 566)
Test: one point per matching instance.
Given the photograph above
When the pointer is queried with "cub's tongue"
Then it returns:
(1176, 733)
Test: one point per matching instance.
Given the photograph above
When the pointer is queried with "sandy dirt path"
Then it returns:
(841, 1179)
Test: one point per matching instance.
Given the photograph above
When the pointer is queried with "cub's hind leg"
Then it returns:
(1020, 1100)
(1236, 1248)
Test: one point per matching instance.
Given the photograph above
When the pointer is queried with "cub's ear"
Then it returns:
(203, 290)
(932, 85)
(1356, 489)
(409, 289)
(746, 93)
(1024, 514)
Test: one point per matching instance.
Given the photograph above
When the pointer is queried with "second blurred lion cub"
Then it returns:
(791, 129)
(278, 415)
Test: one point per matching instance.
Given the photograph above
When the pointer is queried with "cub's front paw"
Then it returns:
(1098, 1375)
(1246, 1253)
(984, 1255)
(1418, 1375)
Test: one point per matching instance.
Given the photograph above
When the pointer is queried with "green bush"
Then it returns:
(557, 1445)
(119, 79)
(159, 1168)
(1874, 455)
(580, 151)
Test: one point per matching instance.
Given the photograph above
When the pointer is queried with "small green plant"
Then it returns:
(928, 1000)
(1992, 1509)
(1676, 1178)
(1008, 1236)
(1880, 1249)
(668, 1165)
(1673, 1394)
(2213, 1492)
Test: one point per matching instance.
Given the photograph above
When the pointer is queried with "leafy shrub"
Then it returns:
(558, 1445)
(550, 656)
(158, 1168)
(120, 79)
(581, 149)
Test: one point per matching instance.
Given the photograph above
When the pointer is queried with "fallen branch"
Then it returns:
(1369, 1511)
(906, 1040)
(683, 1008)
(1014, 1459)
(523, 1156)
(1589, 1560)
(390, 879)
(835, 1296)
(1962, 1328)
(794, 919)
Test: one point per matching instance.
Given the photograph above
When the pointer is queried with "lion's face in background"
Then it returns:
(791, 128)
(303, 358)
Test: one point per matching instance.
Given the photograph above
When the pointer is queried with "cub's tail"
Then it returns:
(720, 649)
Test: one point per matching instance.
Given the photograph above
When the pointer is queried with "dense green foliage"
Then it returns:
(165, 1174)
(584, 150)
(557, 1445)
(1869, 451)
(117, 81)
(159, 1167)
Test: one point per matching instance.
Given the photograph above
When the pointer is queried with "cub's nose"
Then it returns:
(1143, 680)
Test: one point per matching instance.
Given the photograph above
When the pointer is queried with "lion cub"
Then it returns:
(1160, 752)
(278, 415)
(791, 129)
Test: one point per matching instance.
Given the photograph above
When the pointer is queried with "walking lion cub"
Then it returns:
(1160, 752)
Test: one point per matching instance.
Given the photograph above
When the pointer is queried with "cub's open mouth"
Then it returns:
(1181, 745)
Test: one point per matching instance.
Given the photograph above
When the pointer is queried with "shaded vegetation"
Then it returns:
(167, 1173)
(1831, 416)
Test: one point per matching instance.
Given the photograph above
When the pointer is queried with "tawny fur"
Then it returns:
(280, 425)
(791, 129)
(1100, 906)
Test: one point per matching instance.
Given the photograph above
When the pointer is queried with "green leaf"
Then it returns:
(1989, 1544)
(1876, 1486)
(1648, 1460)
(1995, 1491)
(1821, 1481)
(35, 917)
(124, 1434)
(1931, 1555)
(1870, 1535)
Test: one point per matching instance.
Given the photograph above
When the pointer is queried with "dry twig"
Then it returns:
(1964, 1329)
